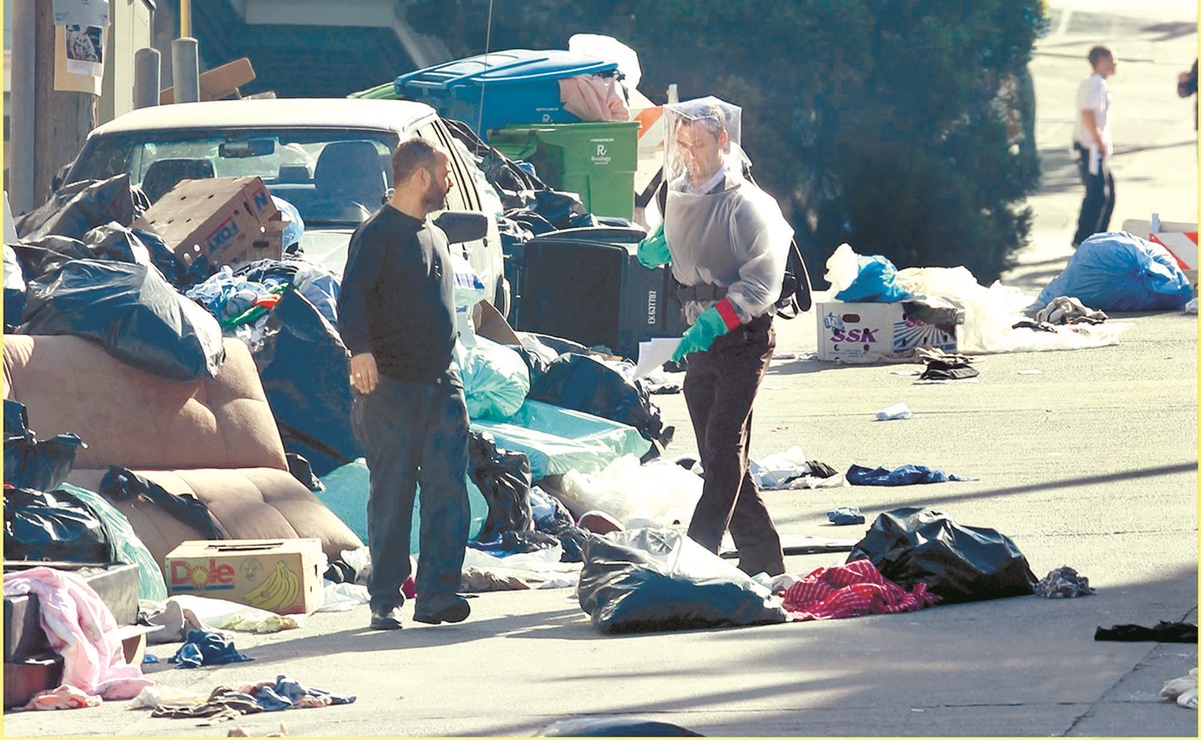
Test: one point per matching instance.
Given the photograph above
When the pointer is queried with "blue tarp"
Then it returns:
(1117, 271)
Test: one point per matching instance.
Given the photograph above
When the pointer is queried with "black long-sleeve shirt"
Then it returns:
(397, 296)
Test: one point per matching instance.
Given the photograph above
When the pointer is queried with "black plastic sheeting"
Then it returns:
(54, 525)
(305, 368)
(504, 479)
(653, 580)
(584, 383)
(911, 545)
(81, 206)
(30, 462)
(614, 727)
(122, 484)
(131, 309)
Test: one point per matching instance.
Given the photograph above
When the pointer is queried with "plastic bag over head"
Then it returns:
(703, 136)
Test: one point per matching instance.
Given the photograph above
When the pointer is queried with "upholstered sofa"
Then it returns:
(214, 439)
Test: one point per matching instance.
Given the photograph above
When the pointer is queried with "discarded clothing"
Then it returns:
(81, 628)
(904, 475)
(948, 370)
(287, 693)
(1063, 583)
(1069, 310)
(1183, 690)
(819, 469)
(846, 515)
(778, 469)
(851, 590)
(1162, 632)
(206, 648)
(223, 703)
(63, 697)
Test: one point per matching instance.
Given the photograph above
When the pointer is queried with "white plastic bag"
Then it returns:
(658, 492)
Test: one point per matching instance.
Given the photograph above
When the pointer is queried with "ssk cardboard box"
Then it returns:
(867, 332)
(281, 576)
(225, 219)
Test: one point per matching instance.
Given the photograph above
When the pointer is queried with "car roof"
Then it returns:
(394, 115)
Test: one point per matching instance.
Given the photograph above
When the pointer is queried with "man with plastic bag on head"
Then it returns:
(727, 244)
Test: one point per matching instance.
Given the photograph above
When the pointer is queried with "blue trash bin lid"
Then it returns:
(512, 67)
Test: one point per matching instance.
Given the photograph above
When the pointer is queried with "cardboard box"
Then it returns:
(867, 332)
(228, 220)
(280, 576)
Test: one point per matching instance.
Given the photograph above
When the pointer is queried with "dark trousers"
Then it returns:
(1099, 198)
(720, 388)
(415, 434)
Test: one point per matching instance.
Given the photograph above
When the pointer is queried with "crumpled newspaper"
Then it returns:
(1063, 583)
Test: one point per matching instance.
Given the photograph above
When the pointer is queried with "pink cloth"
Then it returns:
(81, 629)
(593, 98)
(851, 590)
(64, 697)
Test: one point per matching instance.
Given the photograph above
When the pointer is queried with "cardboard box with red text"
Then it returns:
(867, 332)
(228, 220)
(281, 576)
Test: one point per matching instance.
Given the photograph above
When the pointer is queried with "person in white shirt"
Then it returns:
(1094, 145)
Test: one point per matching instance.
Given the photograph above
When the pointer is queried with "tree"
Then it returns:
(882, 123)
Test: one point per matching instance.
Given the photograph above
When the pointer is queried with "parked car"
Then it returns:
(330, 158)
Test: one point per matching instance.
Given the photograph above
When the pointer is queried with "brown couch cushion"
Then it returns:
(132, 418)
(214, 439)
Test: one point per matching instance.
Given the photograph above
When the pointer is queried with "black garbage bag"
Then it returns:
(132, 310)
(173, 268)
(304, 367)
(654, 580)
(613, 726)
(40, 256)
(911, 545)
(54, 525)
(112, 241)
(82, 206)
(562, 526)
(14, 288)
(122, 484)
(584, 383)
(30, 462)
(504, 479)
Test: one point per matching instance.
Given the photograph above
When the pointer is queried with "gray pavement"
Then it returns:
(1089, 463)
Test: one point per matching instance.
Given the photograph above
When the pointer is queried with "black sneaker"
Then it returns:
(385, 618)
(441, 608)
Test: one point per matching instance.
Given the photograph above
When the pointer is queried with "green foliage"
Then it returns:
(875, 122)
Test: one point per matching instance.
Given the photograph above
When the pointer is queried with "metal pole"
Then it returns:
(147, 70)
(23, 111)
(185, 18)
(185, 70)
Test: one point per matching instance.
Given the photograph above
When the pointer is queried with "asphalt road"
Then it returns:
(1090, 462)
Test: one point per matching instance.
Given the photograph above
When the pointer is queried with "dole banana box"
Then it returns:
(868, 332)
(281, 576)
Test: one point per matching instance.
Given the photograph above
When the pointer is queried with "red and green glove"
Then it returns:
(711, 324)
(653, 251)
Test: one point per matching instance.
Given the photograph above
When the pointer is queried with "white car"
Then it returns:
(331, 158)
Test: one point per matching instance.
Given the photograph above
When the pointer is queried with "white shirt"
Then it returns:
(1093, 94)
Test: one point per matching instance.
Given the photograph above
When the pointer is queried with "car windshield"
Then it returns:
(333, 177)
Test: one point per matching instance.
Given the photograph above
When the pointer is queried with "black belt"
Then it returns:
(702, 292)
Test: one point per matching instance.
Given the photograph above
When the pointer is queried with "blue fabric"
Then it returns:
(206, 648)
(904, 475)
(875, 283)
(1117, 271)
(846, 515)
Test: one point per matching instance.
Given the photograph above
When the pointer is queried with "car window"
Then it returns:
(334, 176)
(462, 195)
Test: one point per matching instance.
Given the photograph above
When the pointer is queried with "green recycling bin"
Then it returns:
(596, 160)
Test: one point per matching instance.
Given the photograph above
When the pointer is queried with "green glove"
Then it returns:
(653, 251)
(711, 324)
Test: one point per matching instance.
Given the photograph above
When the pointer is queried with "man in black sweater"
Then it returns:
(396, 314)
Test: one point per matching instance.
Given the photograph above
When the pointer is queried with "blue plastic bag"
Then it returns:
(1117, 271)
(875, 283)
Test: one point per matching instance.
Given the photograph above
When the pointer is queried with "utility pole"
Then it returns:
(60, 120)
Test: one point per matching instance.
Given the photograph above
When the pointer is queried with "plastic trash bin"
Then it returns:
(493, 90)
(596, 160)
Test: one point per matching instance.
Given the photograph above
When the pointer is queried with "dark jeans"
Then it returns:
(1098, 197)
(720, 388)
(415, 434)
